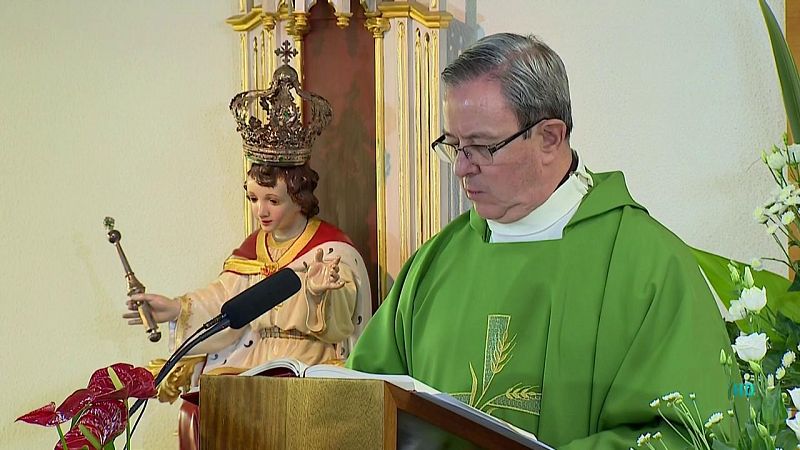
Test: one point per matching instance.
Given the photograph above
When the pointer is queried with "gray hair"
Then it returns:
(532, 76)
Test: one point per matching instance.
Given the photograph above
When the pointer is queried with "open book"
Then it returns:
(292, 367)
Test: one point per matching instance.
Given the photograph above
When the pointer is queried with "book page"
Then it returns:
(404, 382)
(455, 405)
(293, 365)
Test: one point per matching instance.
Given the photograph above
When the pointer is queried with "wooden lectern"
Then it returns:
(323, 413)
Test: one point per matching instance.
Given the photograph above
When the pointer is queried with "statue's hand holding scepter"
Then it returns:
(134, 286)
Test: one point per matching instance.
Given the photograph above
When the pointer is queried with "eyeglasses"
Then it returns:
(480, 155)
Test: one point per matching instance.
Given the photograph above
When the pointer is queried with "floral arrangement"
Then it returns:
(763, 316)
(765, 422)
(98, 413)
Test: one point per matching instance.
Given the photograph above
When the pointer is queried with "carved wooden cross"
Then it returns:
(286, 52)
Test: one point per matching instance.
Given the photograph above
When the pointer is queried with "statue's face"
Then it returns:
(274, 209)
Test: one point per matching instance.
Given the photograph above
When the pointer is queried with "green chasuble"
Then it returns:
(570, 339)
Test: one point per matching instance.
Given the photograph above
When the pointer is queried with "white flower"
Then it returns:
(795, 395)
(753, 298)
(772, 228)
(780, 372)
(794, 200)
(746, 377)
(643, 439)
(751, 347)
(785, 193)
(794, 152)
(775, 208)
(713, 420)
(657, 436)
(756, 264)
(794, 424)
(748, 278)
(672, 397)
(788, 358)
(787, 217)
(760, 215)
(737, 311)
(655, 403)
(776, 161)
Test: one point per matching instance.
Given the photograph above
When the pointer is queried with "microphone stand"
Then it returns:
(210, 328)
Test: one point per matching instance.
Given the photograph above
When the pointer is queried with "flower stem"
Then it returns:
(127, 427)
(778, 260)
(673, 427)
(697, 435)
(61, 437)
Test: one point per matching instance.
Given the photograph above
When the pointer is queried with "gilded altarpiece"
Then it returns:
(378, 63)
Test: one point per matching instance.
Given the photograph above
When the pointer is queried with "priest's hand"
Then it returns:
(163, 308)
(323, 276)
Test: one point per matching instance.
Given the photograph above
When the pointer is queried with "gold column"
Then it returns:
(418, 196)
(433, 80)
(403, 152)
(256, 67)
(425, 132)
(298, 28)
(248, 214)
(267, 25)
(378, 26)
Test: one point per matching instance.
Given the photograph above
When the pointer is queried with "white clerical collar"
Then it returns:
(547, 222)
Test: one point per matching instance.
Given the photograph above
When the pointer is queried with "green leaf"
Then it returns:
(787, 71)
(114, 378)
(786, 439)
(773, 411)
(87, 433)
(795, 287)
(719, 445)
(779, 298)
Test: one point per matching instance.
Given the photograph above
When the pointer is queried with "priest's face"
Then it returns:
(518, 180)
(274, 208)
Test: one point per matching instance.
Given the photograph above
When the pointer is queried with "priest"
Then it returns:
(557, 303)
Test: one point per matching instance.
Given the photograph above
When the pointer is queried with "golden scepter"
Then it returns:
(134, 286)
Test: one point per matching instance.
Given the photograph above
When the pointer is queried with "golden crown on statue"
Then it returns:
(271, 123)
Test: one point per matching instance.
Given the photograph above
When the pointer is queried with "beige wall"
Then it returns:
(107, 108)
(120, 108)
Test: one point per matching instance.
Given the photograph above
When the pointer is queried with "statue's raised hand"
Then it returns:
(322, 275)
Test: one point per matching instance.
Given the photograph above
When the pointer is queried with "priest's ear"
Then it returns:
(553, 133)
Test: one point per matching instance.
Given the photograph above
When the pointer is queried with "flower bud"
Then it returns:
(748, 276)
(734, 273)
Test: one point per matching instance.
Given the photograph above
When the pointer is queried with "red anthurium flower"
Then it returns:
(106, 420)
(84, 397)
(138, 380)
(46, 416)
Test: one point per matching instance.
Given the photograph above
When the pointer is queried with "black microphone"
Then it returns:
(237, 313)
(260, 298)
